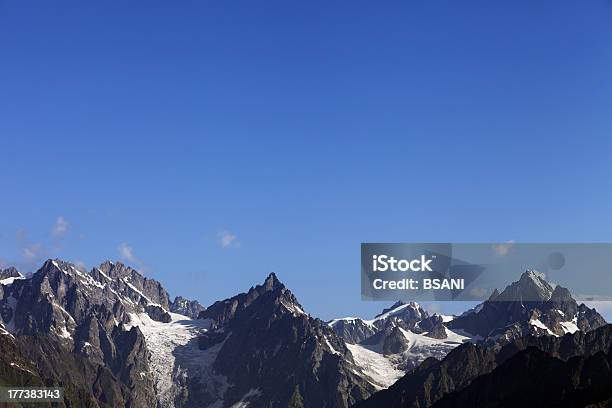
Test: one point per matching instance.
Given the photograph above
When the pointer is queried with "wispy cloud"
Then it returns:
(32, 252)
(479, 293)
(21, 234)
(502, 249)
(80, 264)
(226, 239)
(433, 307)
(126, 253)
(60, 227)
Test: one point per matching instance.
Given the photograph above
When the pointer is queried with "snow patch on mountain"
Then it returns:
(333, 322)
(421, 347)
(538, 323)
(396, 311)
(247, 398)
(5, 332)
(176, 357)
(386, 369)
(570, 327)
(9, 281)
(446, 318)
(375, 365)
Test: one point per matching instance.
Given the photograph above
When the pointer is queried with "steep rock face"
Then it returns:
(7, 277)
(39, 361)
(404, 315)
(18, 368)
(66, 317)
(60, 295)
(157, 313)
(275, 355)
(394, 342)
(434, 379)
(531, 287)
(131, 284)
(506, 327)
(534, 378)
(408, 316)
(7, 273)
(85, 328)
(353, 330)
(540, 310)
(397, 340)
(186, 307)
(436, 328)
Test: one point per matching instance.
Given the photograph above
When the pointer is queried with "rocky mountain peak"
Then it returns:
(393, 307)
(532, 286)
(561, 294)
(191, 308)
(272, 289)
(116, 269)
(265, 340)
(10, 272)
(8, 276)
(530, 305)
(394, 341)
(272, 282)
(494, 295)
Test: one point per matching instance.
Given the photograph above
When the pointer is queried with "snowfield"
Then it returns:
(175, 356)
(378, 367)
(570, 327)
(384, 370)
(9, 281)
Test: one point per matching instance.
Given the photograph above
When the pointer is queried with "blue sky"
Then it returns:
(210, 143)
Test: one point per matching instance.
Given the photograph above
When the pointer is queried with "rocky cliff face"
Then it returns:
(549, 311)
(549, 320)
(131, 284)
(114, 337)
(440, 381)
(10, 272)
(186, 307)
(404, 315)
(275, 355)
(65, 317)
(397, 340)
(533, 377)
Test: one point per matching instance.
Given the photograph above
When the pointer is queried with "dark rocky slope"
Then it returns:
(272, 346)
(533, 378)
(434, 379)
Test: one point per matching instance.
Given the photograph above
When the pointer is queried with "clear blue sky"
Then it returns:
(293, 131)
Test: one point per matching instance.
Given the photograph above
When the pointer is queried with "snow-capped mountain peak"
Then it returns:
(530, 305)
(9, 275)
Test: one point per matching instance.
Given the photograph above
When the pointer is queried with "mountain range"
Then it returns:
(112, 337)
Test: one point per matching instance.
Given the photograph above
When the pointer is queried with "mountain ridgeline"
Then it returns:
(113, 337)
(514, 344)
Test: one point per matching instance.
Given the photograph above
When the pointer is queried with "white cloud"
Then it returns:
(21, 234)
(479, 293)
(226, 239)
(127, 253)
(502, 249)
(432, 308)
(32, 252)
(61, 227)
